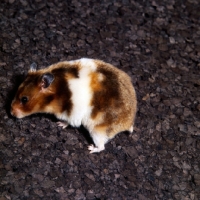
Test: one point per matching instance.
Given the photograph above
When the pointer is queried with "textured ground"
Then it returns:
(158, 44)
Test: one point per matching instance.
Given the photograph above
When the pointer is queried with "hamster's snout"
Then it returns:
(15, 112)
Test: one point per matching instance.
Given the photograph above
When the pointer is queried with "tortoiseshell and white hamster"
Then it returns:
(86, 91)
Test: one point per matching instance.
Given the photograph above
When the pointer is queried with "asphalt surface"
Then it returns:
(158, 44)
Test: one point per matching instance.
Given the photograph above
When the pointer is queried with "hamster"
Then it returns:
(84, 92)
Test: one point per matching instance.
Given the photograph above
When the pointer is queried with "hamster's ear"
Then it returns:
(33, 67)
(47, 79)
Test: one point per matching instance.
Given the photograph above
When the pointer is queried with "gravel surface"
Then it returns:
(158, 44)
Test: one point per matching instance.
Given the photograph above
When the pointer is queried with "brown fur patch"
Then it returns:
(63, 95)
(95, 82)
(101, 128)
(106, 93)
(46, 100)
(69, 71)
(114, 101)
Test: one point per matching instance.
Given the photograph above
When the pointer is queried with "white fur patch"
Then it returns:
(81, 93)
(99, 140)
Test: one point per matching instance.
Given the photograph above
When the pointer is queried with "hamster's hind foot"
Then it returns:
(63, 124)
(131, 129)
(94, 149)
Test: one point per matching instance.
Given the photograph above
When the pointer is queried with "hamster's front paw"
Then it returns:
(94, 149)
(62, 124)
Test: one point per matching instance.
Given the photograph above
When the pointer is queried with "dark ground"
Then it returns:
(158, 44)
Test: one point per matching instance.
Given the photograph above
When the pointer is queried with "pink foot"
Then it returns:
(94, 149)
(62, 124)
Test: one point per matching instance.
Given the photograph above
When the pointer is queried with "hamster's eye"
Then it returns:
(24, 100)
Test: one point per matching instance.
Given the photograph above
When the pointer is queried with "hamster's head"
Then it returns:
(34, 95)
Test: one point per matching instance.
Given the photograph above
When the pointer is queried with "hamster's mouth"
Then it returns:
(16, 113)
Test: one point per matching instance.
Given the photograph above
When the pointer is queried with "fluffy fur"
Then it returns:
(86, 91)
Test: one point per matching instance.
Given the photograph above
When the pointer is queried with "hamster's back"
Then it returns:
(114, 97)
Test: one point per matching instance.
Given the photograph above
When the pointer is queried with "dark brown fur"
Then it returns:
(106, 97)
(60, 86)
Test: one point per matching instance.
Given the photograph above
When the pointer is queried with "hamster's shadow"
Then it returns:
(16, 80)
(49, 116)
(86, 134)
